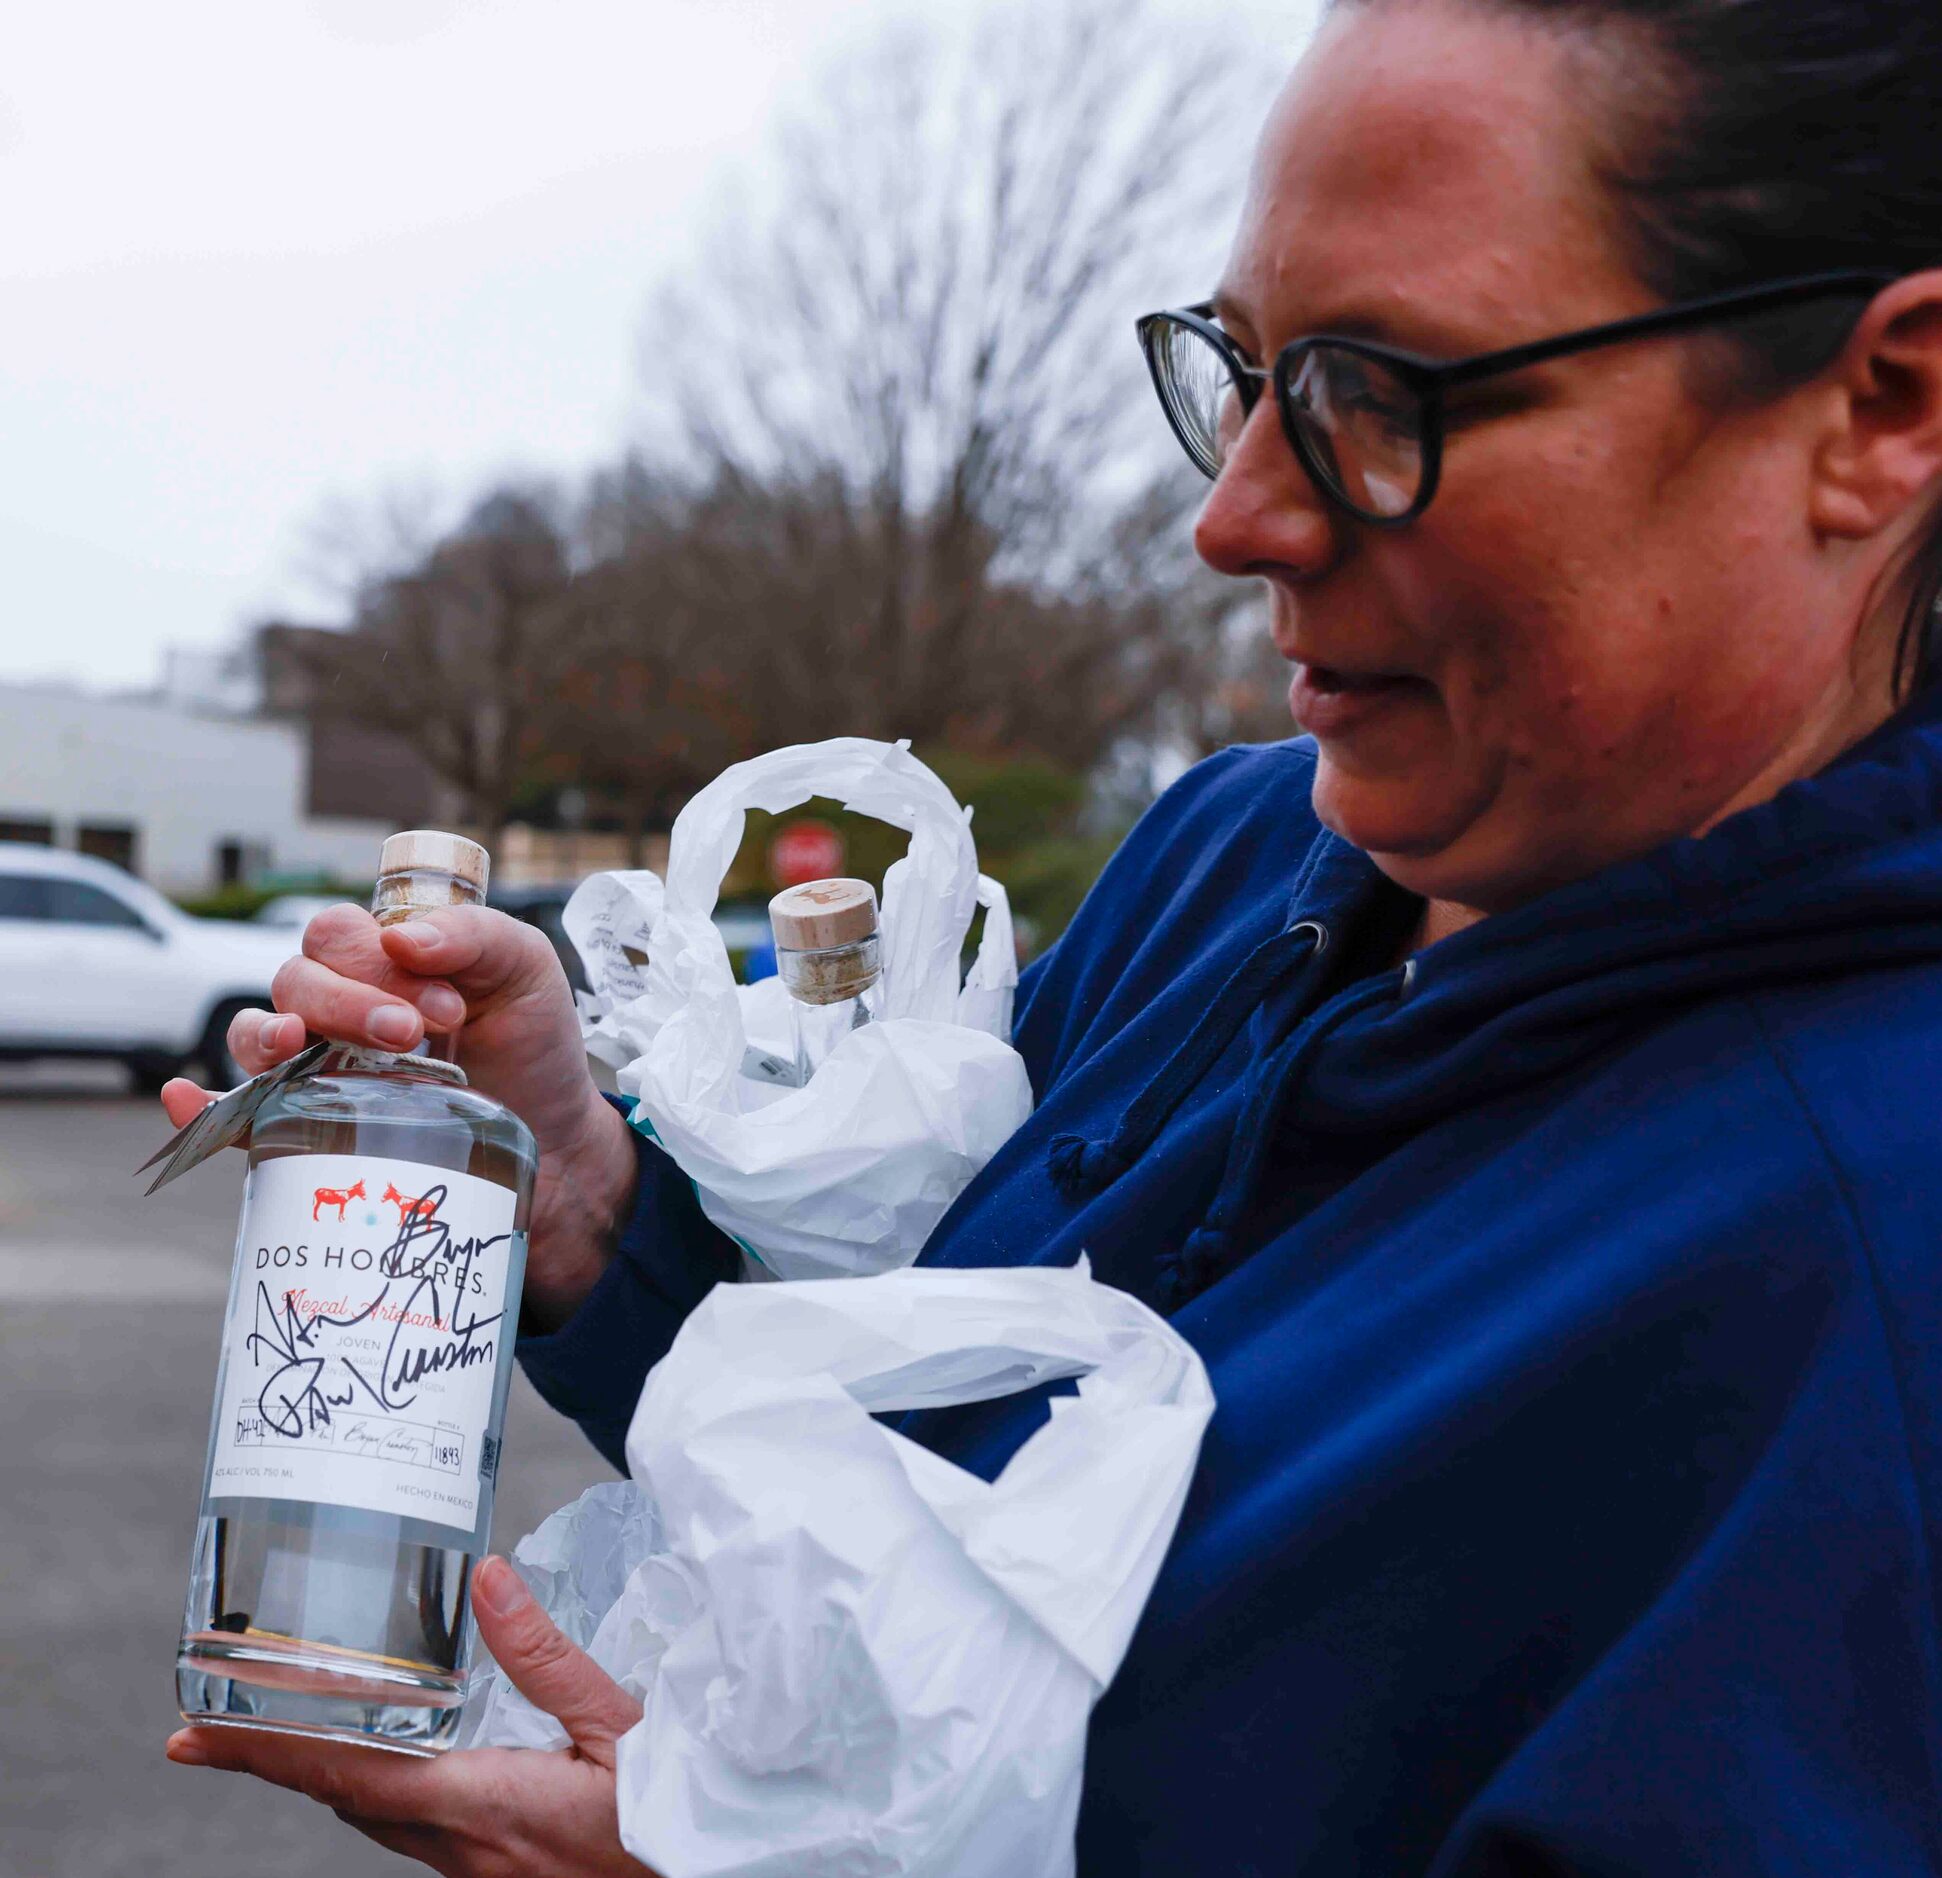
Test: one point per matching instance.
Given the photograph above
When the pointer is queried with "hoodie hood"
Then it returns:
(1838, 873)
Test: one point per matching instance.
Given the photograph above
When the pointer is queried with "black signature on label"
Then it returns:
(431, 1337)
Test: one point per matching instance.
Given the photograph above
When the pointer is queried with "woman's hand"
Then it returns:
(474, 1812)
(498, 985)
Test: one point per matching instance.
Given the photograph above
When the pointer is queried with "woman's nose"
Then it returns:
(1264, 515)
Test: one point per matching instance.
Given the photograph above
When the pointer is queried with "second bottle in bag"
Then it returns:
(829, 953)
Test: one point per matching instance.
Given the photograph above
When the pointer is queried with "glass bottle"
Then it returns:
(366, 1357)
(829, 954)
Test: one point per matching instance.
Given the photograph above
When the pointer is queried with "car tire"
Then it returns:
(149, 1073)
(222, 1069)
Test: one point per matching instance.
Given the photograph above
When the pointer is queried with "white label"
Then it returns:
(365, 1333)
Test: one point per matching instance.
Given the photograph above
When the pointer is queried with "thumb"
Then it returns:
(545, 1667)
(182, 1101)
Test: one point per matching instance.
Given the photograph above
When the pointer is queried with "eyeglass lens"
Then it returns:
(1361, 425)
(1201, 393)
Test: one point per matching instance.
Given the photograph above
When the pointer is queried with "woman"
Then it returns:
(1520, 1088)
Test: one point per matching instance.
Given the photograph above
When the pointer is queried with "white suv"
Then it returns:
(94, 963)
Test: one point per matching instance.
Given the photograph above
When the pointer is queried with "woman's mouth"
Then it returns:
(1328, 701)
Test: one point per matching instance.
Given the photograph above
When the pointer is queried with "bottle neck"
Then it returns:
(832, 974)
(404, 895)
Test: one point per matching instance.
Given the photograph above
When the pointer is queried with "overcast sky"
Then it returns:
(260, 255)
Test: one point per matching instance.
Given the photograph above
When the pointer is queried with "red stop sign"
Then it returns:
(805, 850)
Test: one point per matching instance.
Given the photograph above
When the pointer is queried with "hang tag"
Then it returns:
(610, 919)
(760, 1065)
(226, 1121)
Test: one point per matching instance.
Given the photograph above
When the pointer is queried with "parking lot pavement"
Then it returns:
(108, 1336)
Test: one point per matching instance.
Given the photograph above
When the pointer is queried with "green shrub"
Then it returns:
(241, 901)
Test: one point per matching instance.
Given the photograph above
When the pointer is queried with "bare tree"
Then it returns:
(656, 702)
(905, 475)
(461, 649)
(904, 426)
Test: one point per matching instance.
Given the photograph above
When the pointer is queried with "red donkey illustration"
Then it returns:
(337, 1197)
(408, 1208)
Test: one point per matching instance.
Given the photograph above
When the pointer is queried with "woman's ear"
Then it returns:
(1880, 462)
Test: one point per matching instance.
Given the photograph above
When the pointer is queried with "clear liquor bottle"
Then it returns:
(361, 1392)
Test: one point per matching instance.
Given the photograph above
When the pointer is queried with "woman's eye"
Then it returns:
(1372, 408)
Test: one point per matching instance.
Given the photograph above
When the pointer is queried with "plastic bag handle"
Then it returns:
(985, 1003)
(923, 932)
(1122, 1450)
(929, 898)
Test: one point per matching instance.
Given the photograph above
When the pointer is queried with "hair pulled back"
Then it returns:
(1751, 140)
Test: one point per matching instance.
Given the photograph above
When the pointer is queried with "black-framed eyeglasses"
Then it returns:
(1367, 420)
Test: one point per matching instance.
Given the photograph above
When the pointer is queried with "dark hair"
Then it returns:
(1753, 140)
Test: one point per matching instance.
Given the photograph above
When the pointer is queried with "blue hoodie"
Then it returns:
(1573, 1301)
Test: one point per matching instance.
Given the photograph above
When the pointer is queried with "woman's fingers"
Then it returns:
(392, 1016)
(390, 1788)
(183, 1101)
(468, 1813)
(485, 953)
(344, 942)
(363, 983)
(259, 1040)
(344, 1008)
(545, 1667)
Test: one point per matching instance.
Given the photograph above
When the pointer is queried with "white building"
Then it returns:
(188, 798)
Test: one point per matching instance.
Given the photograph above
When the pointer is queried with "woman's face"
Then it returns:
(1615, 622)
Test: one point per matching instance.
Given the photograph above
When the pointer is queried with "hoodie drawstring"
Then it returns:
(1081, 1166)
(1192, 1267)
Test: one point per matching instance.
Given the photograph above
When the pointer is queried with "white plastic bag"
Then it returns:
(576, 1564)
(854, 1657)
(850, 1175)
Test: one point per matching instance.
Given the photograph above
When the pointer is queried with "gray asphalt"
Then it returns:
(108, 1336)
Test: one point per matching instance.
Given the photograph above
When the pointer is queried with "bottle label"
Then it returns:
(367, 1328)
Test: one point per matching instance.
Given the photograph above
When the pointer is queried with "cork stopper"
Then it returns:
(824, 913)
(424, 868)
